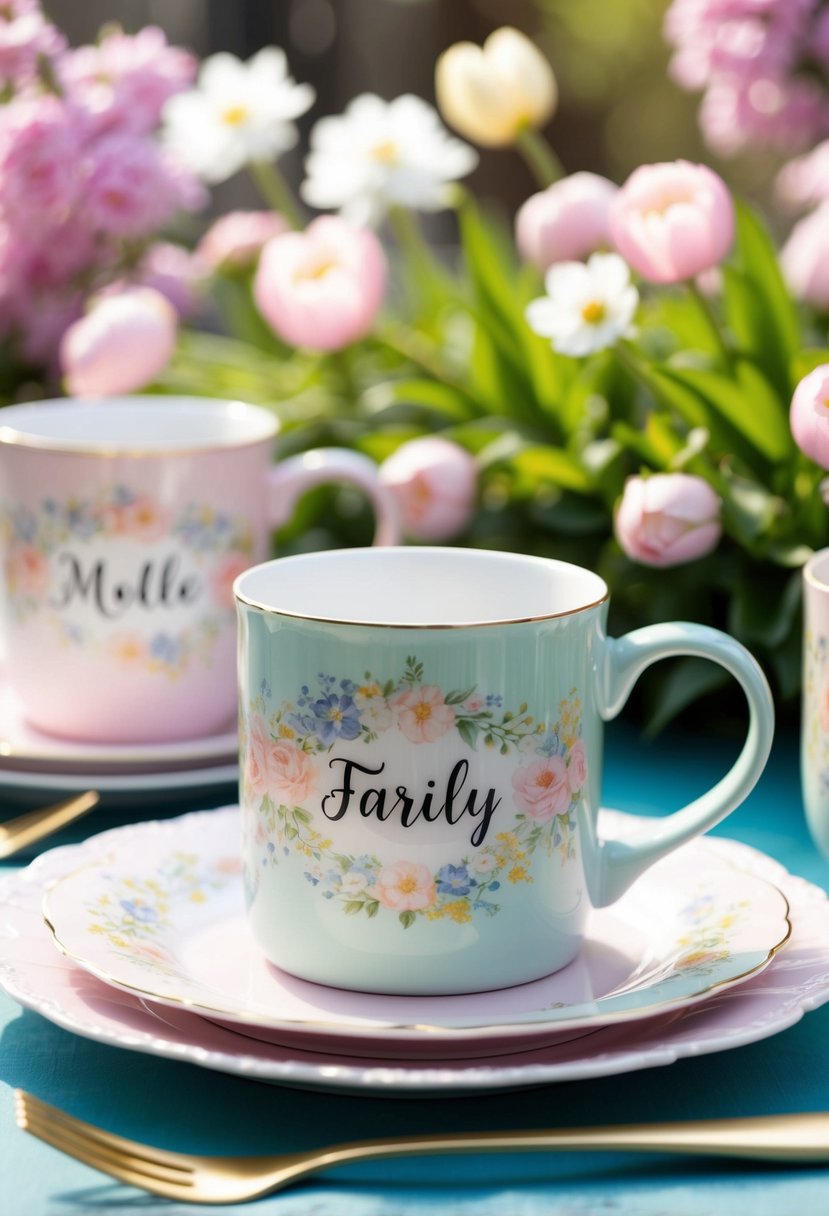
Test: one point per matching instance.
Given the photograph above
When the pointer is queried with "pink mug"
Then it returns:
(123, 525)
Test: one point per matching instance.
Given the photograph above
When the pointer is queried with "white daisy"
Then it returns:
(587, 307)
(238, 113)
(380, 153)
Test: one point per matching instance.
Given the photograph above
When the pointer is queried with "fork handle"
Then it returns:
(791, 1138)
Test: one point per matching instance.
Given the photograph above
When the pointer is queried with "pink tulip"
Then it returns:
(672, 221)
(668, 519)
(321, 288)
(236, 239)
(434, 482)
(809, 415)
(566, 222)
(805, 259)
(121, 345)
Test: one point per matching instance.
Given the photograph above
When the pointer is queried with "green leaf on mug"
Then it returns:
(407, 919)
(468, 731)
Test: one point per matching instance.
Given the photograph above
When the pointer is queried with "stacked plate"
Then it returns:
(34, 765)
(138, 938)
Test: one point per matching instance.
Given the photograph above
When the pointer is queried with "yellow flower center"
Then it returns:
(422, 711)
(407, 885)
(594, 312)
(316, 270)
(545, 779)
(385, 152)
(234, 116)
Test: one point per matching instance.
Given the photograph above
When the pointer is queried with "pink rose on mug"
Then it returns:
(541, 789)
(576, 766)
(422, 713)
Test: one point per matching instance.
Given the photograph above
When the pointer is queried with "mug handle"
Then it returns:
(620, 862)
(290, 478)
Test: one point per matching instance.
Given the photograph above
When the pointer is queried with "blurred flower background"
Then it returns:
(561, 269)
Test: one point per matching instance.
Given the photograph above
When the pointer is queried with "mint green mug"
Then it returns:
(421, 753)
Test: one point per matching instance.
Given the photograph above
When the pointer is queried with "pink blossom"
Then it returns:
(668, 519)
(130, 187)
(40, 148)
(26, 37)
(804, 181)
(277, 767)
(27, 571)
(236, 239)
(405, 886)
(809, 415)
(124, 80)
(805, 259)
(422, 713)
(783, 115)
(672, 221)
(434, 482)
(541, 788)
(576, 766)
(566, 222)
(141, 519)
(121, 345)
(321, 288)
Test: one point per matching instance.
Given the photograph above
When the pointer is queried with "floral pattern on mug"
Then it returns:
(32, 536)
(280, 748)
(134, 914)
(816, 705)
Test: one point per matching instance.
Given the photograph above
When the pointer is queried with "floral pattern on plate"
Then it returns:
(680, 932)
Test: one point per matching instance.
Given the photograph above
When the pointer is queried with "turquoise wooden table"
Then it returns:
(178, 1105)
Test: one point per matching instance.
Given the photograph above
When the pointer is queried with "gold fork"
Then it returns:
(19, 833)
(182, 1176)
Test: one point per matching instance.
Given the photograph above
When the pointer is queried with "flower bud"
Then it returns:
(809, 415)
(668, 519)
(434, 482)
(804, 259)
(235, 240)
(491, 93)
(566, 222)
(122, 344)
(670, 222)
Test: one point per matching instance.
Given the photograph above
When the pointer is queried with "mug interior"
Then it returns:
(136, 424)
(419, 587)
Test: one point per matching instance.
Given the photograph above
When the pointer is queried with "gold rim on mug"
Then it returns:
(483, 624)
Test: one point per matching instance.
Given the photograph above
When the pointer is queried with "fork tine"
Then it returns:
(30, 1109)
(111, 1164)
(106, 1150)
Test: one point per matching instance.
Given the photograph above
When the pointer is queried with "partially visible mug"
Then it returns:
(123, 524)
(421, 753)
(814, 733)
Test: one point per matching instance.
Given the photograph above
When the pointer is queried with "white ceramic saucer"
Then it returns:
(159, 913)
(39, 978)
(22, 747)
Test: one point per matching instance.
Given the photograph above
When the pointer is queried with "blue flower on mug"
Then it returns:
(453, 880)
(336, 718)
(139, 911)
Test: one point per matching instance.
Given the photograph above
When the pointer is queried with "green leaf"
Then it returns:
(372, 907)
(468, 731)
(456, 697)
(749, 405)
(353, 906)
(407, 919)
(301, 815)
(536, 464)
(759, 308)
(447, 400)
(807, 360)
(763, 614)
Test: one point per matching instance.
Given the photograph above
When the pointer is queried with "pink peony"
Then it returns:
(277, 767)
(405, 886)
(672, 221)
(235, 240)
(809, 415)
(434, 482)
(121, 345)
(131, 188)
(422, 713)
(26, 38)
(805, 259)
(566, 222)
(41, 139)
(321, 288)
(668, 519)
(541, 789)
(576, 766)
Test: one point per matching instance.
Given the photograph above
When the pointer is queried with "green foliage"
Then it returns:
(704, 387)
